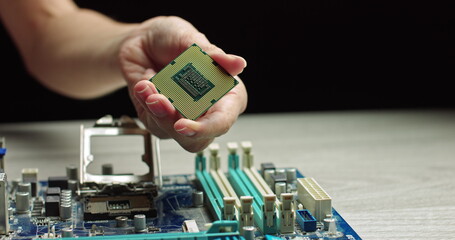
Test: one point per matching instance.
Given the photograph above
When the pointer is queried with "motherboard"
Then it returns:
(244, 202)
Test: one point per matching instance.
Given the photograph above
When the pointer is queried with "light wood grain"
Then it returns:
(391, 174)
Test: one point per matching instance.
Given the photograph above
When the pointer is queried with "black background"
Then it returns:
(309, 55)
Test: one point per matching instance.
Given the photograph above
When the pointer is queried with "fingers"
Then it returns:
(143, 89)
(160, 106)
(205, 128)
(218, 119)
(163, 120)
(157, 104)
(233, 64)
(160, 116)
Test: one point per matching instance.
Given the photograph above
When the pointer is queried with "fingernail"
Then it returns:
(186, 131)
(156, 108)
(244, 61)
(142, 88)
(148, 73)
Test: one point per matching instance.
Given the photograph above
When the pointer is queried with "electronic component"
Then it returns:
(65, 211)
(37, 207)
(14, 184)
(140, 225)
(330, 225)
(121, 221)
(67, 232)
(248, 232)
(198, 198)
(193, 82)
(267, 166)
(25, 187)
(231, 201)
(65, 204)
(53, 191)
(305, 220)
(58, 181)
(190, 226)
(22, 202)
(4, 204)
(51, 206)
(245, 184)
(72, 172)
(280, 187)
(30, 175)
(291, 175)
(277, 179)
(99, 207)
(72, 185)
(314, 198)
(268, 176)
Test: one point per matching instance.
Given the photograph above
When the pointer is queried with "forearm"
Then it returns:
(70, 50)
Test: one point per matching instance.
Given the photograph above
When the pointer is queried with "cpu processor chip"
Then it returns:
(193, 82)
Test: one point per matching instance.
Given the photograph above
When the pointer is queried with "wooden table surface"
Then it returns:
(391, 174)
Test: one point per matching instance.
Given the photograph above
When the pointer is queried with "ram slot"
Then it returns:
(231, 201)
(213, 194)
(286, 212)
(252, 172)
(264, 213)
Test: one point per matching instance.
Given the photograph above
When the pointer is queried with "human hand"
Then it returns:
(151, 47)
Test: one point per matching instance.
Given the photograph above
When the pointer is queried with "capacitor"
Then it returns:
(66, 211)
(72, 172)
(72, 185)
(291, 175)
(67, 232)
(22, 202)
(198, 198)
(107, 169)
(280, 171)
(248, 232)
(15, 184)
(332, 228)
(327, 222)
(140, 223)
(280, 187)
(25, 187)
(121, 221)
(268, 176)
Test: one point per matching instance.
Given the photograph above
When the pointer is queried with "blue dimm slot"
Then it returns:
(216, 231)
(244, 187)
(211, 189)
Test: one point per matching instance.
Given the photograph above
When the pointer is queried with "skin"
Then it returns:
(83, 54)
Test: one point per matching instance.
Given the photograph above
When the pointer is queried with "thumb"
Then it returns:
(233, 64)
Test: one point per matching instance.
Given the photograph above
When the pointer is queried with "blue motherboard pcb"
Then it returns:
(242, 202)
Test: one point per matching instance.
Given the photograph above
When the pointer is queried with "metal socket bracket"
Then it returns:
(106, 126)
